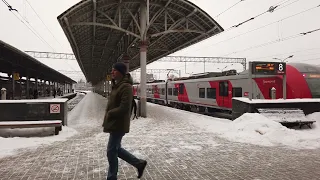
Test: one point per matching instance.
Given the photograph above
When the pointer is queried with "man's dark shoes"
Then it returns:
(141, 168)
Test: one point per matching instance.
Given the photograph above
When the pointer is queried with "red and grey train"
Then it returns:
(215, 93)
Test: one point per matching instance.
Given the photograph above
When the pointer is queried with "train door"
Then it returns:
(223, 98)
(166, 93)
(181, 93)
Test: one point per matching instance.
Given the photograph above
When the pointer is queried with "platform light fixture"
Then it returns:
(283, 60)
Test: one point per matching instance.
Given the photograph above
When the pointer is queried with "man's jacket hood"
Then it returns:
(126, 79)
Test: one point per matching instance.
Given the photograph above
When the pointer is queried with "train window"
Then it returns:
(211, 93)
(163, 91)
(202, 93)
(175, 91)
(237, 92)
(314, 85)
(170, 91)
(223, 88)
(311, 69)
(181, 88)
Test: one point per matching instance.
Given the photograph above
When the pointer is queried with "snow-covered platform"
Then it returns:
(177, 144)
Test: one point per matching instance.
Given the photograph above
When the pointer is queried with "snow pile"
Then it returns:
(25, 138)
(315, 117)
(89, 112)
(259, 130)
(253, 129)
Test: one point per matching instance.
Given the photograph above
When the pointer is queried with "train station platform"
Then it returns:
(24, 77)
(177, 145)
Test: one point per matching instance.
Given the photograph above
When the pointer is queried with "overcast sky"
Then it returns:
(304, 48)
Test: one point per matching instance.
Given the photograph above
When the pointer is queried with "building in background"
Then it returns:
(82, 85)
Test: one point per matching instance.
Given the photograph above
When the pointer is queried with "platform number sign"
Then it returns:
(268, 68)
(109, 77)
(281, 68)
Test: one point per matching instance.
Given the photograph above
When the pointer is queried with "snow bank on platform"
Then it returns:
(89, 112)
(259, 130)
(9, 144)
(254, 129)
(315, 117)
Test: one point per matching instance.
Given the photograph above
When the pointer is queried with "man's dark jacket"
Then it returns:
(118, 113)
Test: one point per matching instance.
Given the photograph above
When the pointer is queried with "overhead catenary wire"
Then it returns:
(261, 27)
(288, 4)
(270, 42)
(228, 8)
(30, 28)
(9, 6)
(47, 29)
(43, 22)
(270, 10)
(276, 41)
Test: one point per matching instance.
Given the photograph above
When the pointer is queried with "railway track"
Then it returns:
(74, 101)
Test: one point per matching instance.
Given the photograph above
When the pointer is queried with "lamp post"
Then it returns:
(284, 81)
(224, 67)
(283, 60)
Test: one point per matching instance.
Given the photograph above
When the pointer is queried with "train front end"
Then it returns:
(310, 74)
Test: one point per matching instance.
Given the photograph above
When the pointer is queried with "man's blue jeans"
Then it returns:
(114, 150)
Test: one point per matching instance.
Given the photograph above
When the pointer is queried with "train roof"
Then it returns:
(304, 67)
(231, 72)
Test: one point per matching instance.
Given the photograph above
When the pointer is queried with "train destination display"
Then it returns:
(269, 68)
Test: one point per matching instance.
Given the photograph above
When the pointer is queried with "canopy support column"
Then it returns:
(143, 60)
(126, 61)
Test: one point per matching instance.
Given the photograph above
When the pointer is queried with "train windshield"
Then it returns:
(313, 80)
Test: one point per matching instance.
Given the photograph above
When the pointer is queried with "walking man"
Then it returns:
(117, 121)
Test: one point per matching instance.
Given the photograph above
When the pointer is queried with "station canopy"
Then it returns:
(102, 32)
(12, 59)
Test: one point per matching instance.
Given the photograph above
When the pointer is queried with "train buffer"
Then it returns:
(288, 117)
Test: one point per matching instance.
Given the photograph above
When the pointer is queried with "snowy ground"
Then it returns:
(250, 128)
(177, 145)
(12, 140)
(30, 138)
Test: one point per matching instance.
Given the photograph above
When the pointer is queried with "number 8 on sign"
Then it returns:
(280, 67)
